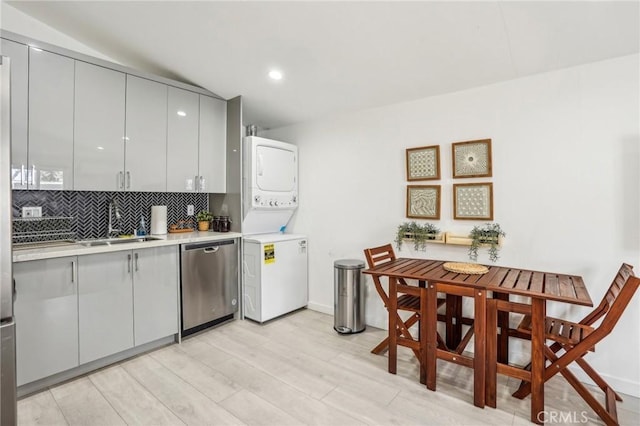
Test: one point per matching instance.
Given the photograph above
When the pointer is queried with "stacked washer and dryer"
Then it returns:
(274, 263)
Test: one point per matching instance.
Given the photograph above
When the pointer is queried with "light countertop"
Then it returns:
(76, 249)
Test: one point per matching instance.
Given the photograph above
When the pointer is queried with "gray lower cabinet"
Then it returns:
(46, 311)
(126, 299)
(155, 293)
(105, 304)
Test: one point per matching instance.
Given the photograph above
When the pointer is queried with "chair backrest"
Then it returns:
(610, 296)
(621, 298)
(378, 255)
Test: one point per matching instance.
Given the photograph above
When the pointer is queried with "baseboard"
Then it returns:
(320, 308)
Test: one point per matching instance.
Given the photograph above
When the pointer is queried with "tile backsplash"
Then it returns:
(89, 210)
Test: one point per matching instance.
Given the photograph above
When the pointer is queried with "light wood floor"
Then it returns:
(294, 370)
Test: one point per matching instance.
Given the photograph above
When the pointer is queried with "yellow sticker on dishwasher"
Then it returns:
(269, 254)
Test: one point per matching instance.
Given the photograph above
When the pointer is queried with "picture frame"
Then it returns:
(423, 201)
(471, 159)
(473, 201)
(423, 163)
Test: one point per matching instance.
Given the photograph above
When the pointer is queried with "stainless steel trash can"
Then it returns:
(348, 305)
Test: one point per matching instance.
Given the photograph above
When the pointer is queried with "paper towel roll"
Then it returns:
(159, 220)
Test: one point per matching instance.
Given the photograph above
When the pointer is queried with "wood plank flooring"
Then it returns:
(292, 371)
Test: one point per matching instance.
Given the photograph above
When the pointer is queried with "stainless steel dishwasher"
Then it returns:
(209, 284)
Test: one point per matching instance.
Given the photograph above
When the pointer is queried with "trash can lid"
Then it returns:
(349, 264)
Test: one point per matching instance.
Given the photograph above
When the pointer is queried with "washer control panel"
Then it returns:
(274, 201)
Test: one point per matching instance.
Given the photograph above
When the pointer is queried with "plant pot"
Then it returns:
(203, 225)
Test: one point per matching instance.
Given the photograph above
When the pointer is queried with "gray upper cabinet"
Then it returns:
(99, 128)
(146, 135)
(46, 310)
(51, 87)
(182, 143)
(19, 56)
(212, 159)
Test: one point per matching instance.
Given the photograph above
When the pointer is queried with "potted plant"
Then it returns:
(204, 217)
(420, 234)
(488, 234)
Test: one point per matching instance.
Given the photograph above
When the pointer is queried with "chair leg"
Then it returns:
(465, 340)
(610, 418)
(384, 344)
(596, 377)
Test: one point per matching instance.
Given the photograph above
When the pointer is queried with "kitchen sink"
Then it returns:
(116, 241)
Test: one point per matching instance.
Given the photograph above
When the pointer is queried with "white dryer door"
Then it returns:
(275, 169)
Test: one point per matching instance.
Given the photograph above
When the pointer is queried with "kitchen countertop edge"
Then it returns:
(25, 255)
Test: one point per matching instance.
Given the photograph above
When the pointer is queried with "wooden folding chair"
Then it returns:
(576, 339)
(408, 300)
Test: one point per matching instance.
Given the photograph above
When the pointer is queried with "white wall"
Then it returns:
(566, 184)
(14, 20)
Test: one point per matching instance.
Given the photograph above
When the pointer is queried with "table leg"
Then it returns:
(503, 323)
(479, 354)
(492, 353)
(393, 330)
(538, 314)
(430, 324)
(453, 316)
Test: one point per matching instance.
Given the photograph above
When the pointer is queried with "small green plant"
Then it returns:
(488, 234)
(204, 216)
(420, 234)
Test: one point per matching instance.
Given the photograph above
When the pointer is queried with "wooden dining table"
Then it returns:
(501, 282)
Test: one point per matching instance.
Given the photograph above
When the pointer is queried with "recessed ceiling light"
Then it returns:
(100, 148)
(275, 75)
(182, 113)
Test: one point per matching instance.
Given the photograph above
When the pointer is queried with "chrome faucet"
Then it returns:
(113, 208)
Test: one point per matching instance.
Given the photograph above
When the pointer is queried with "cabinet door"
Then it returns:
(155, 293)
(98, 128)
(51, 81)
(19, 56)
(212, 164)
(105, 304)
(146, 135)
(182, 141)
(46, 312)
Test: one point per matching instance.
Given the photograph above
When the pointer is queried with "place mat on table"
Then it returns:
(466, 268)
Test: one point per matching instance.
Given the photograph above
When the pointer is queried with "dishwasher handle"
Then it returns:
(212, 249)
(211, 245)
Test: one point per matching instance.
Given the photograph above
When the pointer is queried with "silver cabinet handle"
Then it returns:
(22, 175)
(136, 256)
(33, 176)
(200, 184)
(196, 184)
(73, 271)
(120, 180)
(129, 263)
(128, 180)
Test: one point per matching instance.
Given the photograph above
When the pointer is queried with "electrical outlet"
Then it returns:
(190, 210)
(32, 212)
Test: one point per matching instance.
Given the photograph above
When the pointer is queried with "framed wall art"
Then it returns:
(423, 201)
(473, 201)
(471, 159)
(423, 163)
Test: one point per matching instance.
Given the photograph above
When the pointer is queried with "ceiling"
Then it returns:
(343, 56)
